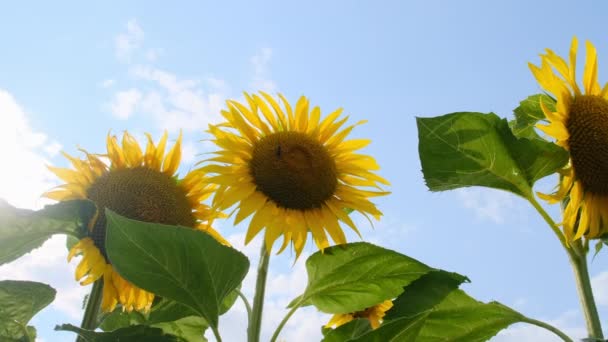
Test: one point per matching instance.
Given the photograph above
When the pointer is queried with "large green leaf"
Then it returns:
(466, 149)
(408, 314)
(424, 294)
(346, 332)
(134, 333)
(191, 329)
(19, 302)
(182, 264)
(22, 230)
(462, 318)
(528, 114)
(354, 276)
(121, 319)
(403, 329)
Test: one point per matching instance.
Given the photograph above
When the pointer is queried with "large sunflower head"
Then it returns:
(294, 171)
(374, 314)
(140, 185)
(580, 125)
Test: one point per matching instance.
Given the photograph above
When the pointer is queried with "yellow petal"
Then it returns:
(171, 162)
(132, 151)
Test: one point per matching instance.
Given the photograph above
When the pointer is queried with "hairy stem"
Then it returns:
(577, 253)
(578, 260)
(255, 321)
(89, 320)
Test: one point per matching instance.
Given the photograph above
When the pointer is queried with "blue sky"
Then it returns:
(71, 73)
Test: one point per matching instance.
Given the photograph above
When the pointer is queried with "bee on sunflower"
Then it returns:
(291, 170)
(141, 186)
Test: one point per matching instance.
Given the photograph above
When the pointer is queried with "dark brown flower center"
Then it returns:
(140, 194)
(294, 170)
(588, 128)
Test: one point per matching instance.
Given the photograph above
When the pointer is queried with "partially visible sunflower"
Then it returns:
(138, 185)
(580, 125)
(293, 171)
(374, 314)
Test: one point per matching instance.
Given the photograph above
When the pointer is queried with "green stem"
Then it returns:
(216, 333)
(285, 319)
(548, 327)
(577, 254)
(246, 302)
(255, 321)
(89, 321)
(549, 220)
(578, 260)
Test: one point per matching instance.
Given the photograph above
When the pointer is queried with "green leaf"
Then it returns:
(424, 294)
(19, 302)
(135, 333)
(354, 276)
(346, 332)
(229, 301)
(528, 114)
(409, 312)
(169, 310)
(22, 230)
(191, 329)
(462, 318)
(404, 329)
(466, 149)
(121, 319)
(179, 263)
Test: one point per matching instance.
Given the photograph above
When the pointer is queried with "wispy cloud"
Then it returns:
(488, 204)
(24, 152)
(125, 102)
(128, 42)
(261, 71)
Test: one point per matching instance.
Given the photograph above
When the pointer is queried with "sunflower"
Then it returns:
(580, 125)
(138, 185)
(293, 171)
(374, 314)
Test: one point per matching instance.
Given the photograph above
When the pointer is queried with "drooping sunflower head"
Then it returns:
(374, 314)
(580, 125)
(292, 170)
(140, 185)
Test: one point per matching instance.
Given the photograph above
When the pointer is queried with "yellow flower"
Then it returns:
(580, 125)
(141, 186)
(374, 314)
(292, 170)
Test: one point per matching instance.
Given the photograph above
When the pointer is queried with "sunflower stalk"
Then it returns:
(578, 260)
(255, 320)
(89, 320)
(577, 254)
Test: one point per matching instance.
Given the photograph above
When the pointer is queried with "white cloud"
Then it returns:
(261, 72)
(600, 288)
(488, 204)
(128, 42)
(153, 54)
(107, 83)
(24, 151)
(125, 102)
(180, 103)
